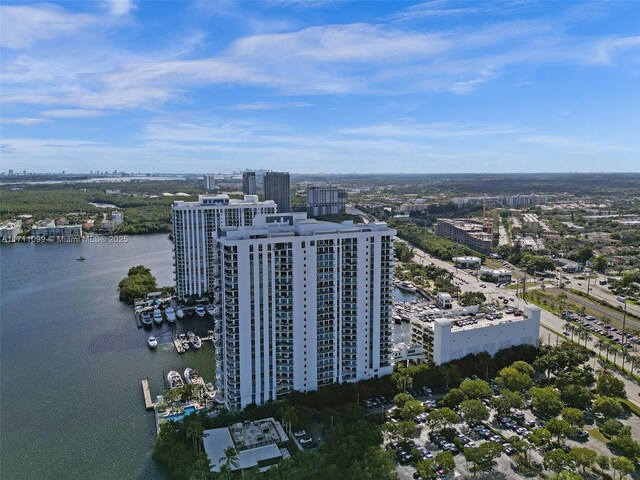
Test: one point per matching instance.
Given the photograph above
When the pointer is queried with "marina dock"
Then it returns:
(148, 403)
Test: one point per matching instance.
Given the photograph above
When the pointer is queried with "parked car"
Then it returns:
(300, 434)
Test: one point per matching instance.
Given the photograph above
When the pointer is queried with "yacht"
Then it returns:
(179, 312)
(184, 341)
(407, 286)
(81, 258)
(211, 310)
(191, 376)
(146, 319)
(174, 380)
(197, 342)
(157, 316)
(152, 342)
(200, 311)
(170, 313)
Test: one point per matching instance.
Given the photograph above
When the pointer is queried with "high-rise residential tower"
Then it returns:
(195, 224)
(326, 201)
(249, 183)
(303, 304)
(278, 189)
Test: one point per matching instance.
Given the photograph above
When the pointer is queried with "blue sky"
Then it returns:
(321, 86)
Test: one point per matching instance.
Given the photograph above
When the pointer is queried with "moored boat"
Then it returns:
(200, 311)
(197, 342)
(191, 376)
(211, 310)
(157, 316)
(81, 258)
(174, 380)
(170, 313)
(146, 319)
(152, 342)
(407, 286)
(179, 313)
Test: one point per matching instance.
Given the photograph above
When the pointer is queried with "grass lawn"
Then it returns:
(595, 433)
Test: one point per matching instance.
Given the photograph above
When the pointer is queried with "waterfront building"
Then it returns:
(304, 304)
(401, 353)
(209, 182)
(467, 262)
(249, 183)
(277, 188)
(500, 275)
(117, 218)
(10, 230)
(326, 201)
(447, 336)
(257, 443)
(194, 225)
(444, 301)
(466, 232)
(49, 230)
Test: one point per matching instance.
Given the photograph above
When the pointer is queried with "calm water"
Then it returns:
(71, 361)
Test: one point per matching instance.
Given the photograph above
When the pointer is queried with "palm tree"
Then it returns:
(614, 350)
(194, 430)
(230, 458)
(587, 338)
(626, 356)
(608, 349)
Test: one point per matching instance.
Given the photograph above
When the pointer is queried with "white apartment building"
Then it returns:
(10, 230)
(326, 201)
(460, 332)
(194, 226)
(303, 304)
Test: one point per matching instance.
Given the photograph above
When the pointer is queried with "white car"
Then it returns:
(300, 433)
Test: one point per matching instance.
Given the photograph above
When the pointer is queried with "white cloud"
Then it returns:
(25, 25)
(73, 113)
(268, 105)
(25, 121)
(410, 128)
(120, 7)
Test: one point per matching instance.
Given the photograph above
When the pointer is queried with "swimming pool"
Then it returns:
(179, 416)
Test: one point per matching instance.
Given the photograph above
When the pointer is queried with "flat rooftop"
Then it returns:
(465, 321)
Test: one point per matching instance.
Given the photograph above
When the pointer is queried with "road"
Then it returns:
(550, 322)
(601, 293)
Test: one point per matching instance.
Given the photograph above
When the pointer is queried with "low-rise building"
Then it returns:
(49, 230)
(117, 218)
(403, 353)
(444, 301)
(530, 222)
(451, 335)
(465, 232)
(500, 275)
(10, 230)
(467, 262)
(259, 443)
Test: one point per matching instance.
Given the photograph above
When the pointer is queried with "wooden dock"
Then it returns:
(148, 403)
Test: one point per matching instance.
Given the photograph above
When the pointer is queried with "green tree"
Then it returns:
(573, 416)
(546, 401)
(577, 396)
(453, 398)
(600, 263)
(411, 409)
(402, 398)
(473, 411)
(611, 427)
(583, 458)
(403, 380)
(626, 446)
(622, 466)
(609, 386)
(513, 379)
(559, 428)
(476, 389)
(406, 429)
(566, 475)
(523, 367)
(442, 418)
(608, 407)
(506, 401)
(540, 437)
(445, 461)
(556, 460)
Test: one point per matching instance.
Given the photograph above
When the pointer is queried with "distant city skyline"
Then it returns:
(320, 86)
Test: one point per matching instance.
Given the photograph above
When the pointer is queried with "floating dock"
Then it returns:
(148, 403)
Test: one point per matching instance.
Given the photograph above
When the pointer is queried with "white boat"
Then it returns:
(146, 319)
(170, 313)
(174, 380)
(157, 316)
(191, 376)
(200, 311)
(184, 341)
(210, 391)
(179, 312)
(152, 342)
(407, 286)
(211, 310)
(197, 342)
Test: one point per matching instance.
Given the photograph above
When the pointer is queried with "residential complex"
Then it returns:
(249, 183)
(49, 230)
(209, 182)
(447, 336)
(531, 222)
(278, 189)
(10, 230)
(505, 200)
(326, 201)
(117, 219)
(466, 232)
(303, 304)
(195, 224)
